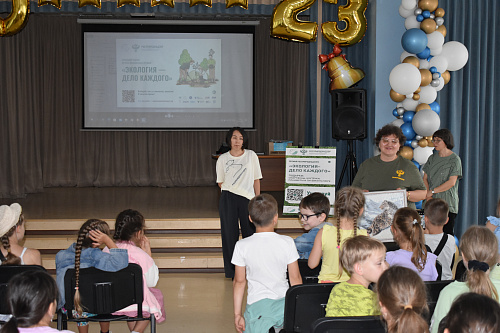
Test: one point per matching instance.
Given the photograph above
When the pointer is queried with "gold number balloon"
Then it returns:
(286, 25)
(207, 3)
(353, 14)
(241, 3)
(95, 3)
(55, 3)
(120, 3)
(17, 18)
(163, 2)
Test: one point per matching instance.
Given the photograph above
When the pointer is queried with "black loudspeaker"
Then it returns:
(348, 114)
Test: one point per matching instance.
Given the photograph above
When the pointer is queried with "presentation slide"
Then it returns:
(158, 80)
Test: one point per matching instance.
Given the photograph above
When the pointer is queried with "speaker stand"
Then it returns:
(350, 160)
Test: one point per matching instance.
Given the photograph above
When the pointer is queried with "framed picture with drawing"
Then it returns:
(379, 211)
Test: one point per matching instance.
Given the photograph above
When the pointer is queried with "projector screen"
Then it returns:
(168, 77)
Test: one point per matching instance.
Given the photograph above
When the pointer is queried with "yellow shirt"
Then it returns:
(330, 266)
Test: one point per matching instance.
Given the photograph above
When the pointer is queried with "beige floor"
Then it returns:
(193, 303)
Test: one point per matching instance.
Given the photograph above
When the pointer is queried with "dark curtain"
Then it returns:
(41, 108)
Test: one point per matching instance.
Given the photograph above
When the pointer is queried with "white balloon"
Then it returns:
(418, 137)
(421, 155)
(435, 40)
(405, 12)
(409, 4)
(441, 84)
(399, 105)
(424, 64)
(440, 62)
(439, 20)
(436, 51)
(425, 123)
(405, 79)
(405, 54)
(412, 23)
(410, 104)
(428, 95)
(457, 55)
(398, 122)
(422, 172)
(414, 144)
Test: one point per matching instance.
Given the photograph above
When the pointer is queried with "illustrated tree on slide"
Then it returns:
(185, 62)
(208, 65)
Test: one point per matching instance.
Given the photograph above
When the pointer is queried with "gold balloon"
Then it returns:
(429, 5)
(446, 76)
(412, 60)
(426, 77)
(439, 12)
(95, 3)
(442, 30)
(286, 25)
(396, 97)
(423, 143)
(416, 97)
(169, 3)
(428, 25)
(422, 106)
(417, 91)
(55, 3)
(207, 3)
(429, 141)
(353, 14)
(242, 3)
(17, 18)
(342, 74)
(406, 152)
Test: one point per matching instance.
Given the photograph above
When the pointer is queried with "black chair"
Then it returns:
(103, 293)
(6, 273)
(304, 304)
(433, 290)
(308, 275)
(368, 324)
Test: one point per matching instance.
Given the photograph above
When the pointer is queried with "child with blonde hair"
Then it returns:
(403, 300)
(364, 259)
(479, 252)
(348, 207)
(86, 253)
(12, 229)
(409, 235)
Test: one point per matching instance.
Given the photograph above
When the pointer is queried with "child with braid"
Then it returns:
(86, 253)
(129, 235)
(409, 235)
(12, 231)
(348, 207)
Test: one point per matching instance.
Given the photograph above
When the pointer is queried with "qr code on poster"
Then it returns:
(128, 96)
(294, 195)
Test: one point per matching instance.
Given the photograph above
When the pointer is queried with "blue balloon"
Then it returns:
(429, 57)
(420, 18)
(408, 131)
(408, 116)
(414, 41)
(418, 205)
(426, 14)
(457, 242)
(435, 107)
(425, 53)
(416, 164)
(408, 143)
(395, 112)
(433, 70)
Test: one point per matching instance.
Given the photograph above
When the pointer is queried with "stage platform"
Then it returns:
(182, 223)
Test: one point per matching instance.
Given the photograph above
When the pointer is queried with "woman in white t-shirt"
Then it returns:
(238, 176)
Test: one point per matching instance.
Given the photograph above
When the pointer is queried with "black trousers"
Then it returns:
(233, 207)
(449, 227)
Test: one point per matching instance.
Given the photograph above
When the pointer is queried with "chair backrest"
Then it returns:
(369, 324)
(105, 292)
(308, 275)
(433, 290)
(304, 304)
(6, 273)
